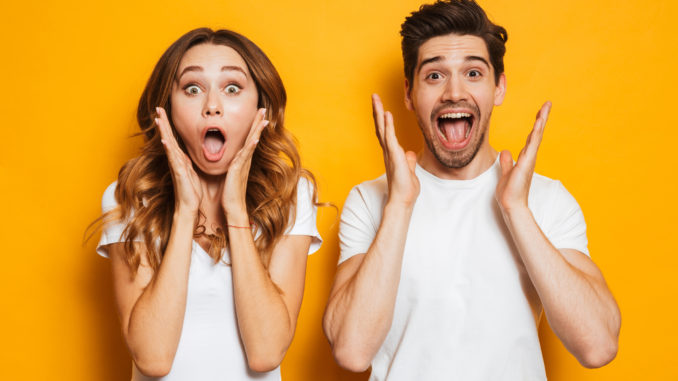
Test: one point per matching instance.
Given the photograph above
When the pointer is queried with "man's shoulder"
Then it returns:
(372, 189)
(549, 196)
(545, 185)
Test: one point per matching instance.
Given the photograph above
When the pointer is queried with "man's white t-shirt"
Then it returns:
(210, 348)
(465, 308)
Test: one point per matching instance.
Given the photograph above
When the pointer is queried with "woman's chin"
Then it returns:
(211, 169)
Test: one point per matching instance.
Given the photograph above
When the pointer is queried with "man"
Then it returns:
(449, 258)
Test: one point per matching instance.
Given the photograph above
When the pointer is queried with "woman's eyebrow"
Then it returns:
(200, 69)
(235, 68)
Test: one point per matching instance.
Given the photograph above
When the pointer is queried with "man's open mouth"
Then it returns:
(455, 128)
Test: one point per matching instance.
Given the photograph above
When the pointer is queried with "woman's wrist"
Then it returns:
(185, 215)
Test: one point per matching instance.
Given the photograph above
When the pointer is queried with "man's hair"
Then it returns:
(462, 17)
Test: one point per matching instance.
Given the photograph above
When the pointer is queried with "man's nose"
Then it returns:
(212, 106)
(454, 89)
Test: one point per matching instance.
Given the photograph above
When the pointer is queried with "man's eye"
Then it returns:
(232, 89)
(474, 73)
(193, 89)
(434, 76)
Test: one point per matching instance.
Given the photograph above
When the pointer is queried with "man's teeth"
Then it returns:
(456, 115)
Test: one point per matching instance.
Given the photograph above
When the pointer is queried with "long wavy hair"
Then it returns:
(145, 192)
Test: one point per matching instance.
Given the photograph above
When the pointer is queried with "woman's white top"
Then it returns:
(210, 346)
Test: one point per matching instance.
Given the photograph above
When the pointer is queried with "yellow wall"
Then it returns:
(72, 72)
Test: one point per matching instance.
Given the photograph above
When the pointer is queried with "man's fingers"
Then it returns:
(535, 137)
(378, 116)
(539, 133)
(411, 158)
(389, 133)
(506, 162)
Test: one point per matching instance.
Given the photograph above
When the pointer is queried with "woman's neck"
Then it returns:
(212, 187)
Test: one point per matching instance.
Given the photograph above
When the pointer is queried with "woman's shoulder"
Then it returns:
(108, 201)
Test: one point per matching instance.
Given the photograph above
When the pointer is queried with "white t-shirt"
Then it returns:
(210, 347)
(466, 308)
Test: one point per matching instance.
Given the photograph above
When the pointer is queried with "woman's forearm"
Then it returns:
(156, 320)
(265, 321)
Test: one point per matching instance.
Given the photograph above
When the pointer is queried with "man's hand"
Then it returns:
(403, 184)
(514, 184)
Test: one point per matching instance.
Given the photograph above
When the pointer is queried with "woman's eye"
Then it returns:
(232, 89)
(192, 89)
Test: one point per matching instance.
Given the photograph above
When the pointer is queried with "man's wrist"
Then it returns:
(517, 215)
(398, 208)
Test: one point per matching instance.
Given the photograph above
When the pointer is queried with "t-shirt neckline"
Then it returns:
(470, 183)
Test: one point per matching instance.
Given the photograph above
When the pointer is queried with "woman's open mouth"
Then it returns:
(213, 144)
(455, 129)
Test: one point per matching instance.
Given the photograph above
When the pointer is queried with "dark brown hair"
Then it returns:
(145, 192)
(462, 17)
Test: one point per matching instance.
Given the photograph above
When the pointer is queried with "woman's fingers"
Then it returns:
(174, 153)
(246, 152)
(258, 118)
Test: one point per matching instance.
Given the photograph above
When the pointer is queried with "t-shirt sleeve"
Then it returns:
(357, 228)
(567, 228)
(112, 231)
(305, 219)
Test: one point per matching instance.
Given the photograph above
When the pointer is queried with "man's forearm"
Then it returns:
(577, 303)
(360, 311)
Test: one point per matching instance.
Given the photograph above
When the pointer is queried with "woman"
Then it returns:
(208, 230)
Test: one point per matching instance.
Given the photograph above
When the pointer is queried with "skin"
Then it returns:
(151, 304)
(577, 302)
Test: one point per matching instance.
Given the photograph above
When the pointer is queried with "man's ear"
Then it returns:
(408, 100)
(500, 90)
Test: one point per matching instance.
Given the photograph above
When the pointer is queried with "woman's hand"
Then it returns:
(514, 185)
(234, 188)
(187, 189)
(403, 184)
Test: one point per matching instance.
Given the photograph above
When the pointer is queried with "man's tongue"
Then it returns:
(213, 144)
(455, 131)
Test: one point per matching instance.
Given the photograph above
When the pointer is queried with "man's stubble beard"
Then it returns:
(449, 159)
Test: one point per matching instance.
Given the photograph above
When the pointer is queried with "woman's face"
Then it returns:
(214, 101)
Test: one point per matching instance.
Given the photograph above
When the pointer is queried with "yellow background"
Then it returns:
(72, 72)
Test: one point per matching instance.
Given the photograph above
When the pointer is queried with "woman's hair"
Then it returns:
(145, 192)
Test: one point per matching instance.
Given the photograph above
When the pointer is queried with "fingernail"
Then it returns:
(162, 141)
(156, 120)
(263, 111)
(266, 122)
(157, 109)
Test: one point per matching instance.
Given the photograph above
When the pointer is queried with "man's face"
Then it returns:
(452, 93)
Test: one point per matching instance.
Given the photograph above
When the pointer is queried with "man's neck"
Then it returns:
(483, 160)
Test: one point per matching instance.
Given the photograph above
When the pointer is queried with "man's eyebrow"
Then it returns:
(430, 60)
(477, 58)
(467, 59)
